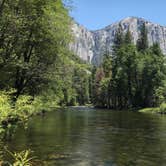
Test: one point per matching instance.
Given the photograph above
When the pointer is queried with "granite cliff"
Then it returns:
(90, 45)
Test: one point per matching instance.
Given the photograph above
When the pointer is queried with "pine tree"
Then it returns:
(156, 49)
(107, 65)
(119, 39)
(128, 37)
(142, 43)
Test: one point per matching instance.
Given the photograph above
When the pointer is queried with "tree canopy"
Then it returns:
(137, 73)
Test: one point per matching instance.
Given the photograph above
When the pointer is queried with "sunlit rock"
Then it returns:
(91, 45)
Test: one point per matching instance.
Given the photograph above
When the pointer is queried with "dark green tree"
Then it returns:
(118, 39)
(128, 37)
(33, 37)
(107, 65)
(142, 43)
(131, 78)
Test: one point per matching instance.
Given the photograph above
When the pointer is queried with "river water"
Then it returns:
(89, 137)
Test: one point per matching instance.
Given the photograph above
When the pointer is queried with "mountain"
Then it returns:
(90, 45)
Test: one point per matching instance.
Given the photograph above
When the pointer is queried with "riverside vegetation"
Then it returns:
(133, 77)
(37, 69)
(38, 72)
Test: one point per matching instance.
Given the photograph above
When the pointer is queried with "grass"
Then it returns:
(149, 110)
(22, 158)
(159, 110)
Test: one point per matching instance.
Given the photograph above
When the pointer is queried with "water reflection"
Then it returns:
(95, 138)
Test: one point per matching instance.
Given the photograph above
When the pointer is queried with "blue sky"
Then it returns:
(96, 14)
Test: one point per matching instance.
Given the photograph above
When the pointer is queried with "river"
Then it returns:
(94, 137)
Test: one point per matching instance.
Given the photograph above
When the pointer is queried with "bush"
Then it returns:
(162, 108)
(5, 110)
(5, 105)
(24, 106)
(22, 158)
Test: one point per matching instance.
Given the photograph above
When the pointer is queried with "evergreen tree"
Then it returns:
(131, 78)
(118, 39)
(142, 43)
(98, 92)
(107, 65)
(153, 74)
(128, 37)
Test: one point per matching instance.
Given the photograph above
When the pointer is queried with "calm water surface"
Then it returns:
(87, 137)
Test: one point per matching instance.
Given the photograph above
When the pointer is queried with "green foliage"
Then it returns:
(149, 110)
(34, 34)
(81, 85)
(69, 84)
(23, 106)
(142, 43)
(5, 105)
(107, 65)
(36, 62)
(128, 37)
(118, 40)
(22, 158)
(11, 113)
(98, 87)
(5, 112)
(160, 94)
(131, 78)
(162, 108)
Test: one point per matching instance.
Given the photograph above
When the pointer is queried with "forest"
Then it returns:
(133, 76)
(38, 72)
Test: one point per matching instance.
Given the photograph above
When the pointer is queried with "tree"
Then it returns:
(81, 85)
(98, 95)
(34, 36)
(118, 39)
(153, 74)
(128, 37)
(131, 78)
(142, 43)
(107, 65)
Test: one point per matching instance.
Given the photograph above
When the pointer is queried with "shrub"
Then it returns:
(23, 106)
(162, 108)
(22, 158)
(5, 105)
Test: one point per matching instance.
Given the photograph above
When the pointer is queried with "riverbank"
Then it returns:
(158, 110)
(12, 113)
(64, 138)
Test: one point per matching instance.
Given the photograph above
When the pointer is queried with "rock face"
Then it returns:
(83, 42)
(90, 45)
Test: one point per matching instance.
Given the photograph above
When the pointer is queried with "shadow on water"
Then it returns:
(89, 137)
